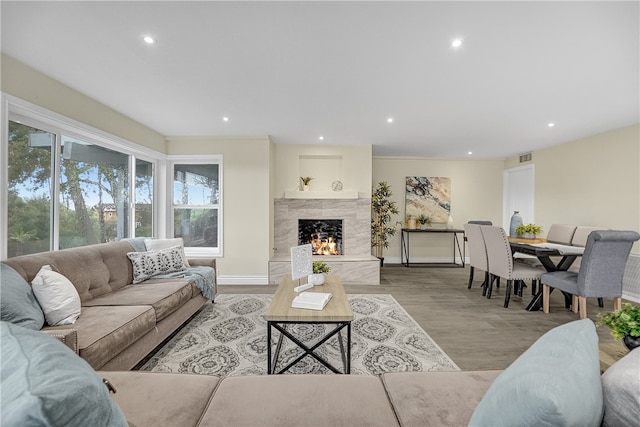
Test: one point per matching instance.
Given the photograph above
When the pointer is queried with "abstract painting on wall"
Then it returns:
(429, 196)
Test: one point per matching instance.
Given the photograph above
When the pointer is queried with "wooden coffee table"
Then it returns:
(337, 312)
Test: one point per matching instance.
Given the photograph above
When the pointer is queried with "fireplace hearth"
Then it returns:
(324, 235)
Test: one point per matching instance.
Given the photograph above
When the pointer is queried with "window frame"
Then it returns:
(16, 109)
(211, 159)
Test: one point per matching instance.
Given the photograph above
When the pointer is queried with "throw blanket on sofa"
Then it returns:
(201, 276)
(137, 243)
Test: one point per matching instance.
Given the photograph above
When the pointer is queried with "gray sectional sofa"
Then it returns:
(556, 382)
(120, 322)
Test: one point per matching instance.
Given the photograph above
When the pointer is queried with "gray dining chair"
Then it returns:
(477, 253)
(501, 263)
(601, 271)
(561, 233)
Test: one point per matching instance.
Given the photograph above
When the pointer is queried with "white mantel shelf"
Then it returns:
(320, 194)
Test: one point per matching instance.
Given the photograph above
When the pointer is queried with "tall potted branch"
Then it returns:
(382, 210)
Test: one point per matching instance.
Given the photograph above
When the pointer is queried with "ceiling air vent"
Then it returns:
(525, 157)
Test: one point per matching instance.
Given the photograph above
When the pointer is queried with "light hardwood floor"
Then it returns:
(476, 332)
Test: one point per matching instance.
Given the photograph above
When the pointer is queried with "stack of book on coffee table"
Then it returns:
(311, 300)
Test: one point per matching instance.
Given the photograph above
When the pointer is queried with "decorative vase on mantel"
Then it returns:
(631, 342)
(305, 187)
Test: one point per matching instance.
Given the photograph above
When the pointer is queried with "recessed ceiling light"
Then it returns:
(551, 125)
(470, 153)
(390, 120)
(148, 39)
(321, 138)
(456, 43)
(225, 119)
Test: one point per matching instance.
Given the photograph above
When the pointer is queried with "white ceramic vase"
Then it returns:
(315, 279)
(412, 223)
(449, 223)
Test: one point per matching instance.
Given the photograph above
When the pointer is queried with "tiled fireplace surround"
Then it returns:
(355, 266)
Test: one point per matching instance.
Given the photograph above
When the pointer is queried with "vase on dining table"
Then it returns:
(516, 221)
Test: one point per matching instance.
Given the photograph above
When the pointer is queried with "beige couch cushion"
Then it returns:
(164, 295)
(300, 400)
(105, 331)
(437, 398)
(162, 399)
(94, 270)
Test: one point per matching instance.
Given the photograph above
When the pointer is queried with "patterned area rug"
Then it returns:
(230, 338)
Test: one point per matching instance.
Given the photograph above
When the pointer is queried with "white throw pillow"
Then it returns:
(57, 296)
(157, 244)
(152, 263)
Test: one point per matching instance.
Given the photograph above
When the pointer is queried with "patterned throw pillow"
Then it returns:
(158, 244)
(153, 263)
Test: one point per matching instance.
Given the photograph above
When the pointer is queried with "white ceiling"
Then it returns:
(298, 70)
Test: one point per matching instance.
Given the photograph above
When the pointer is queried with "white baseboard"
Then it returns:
(243, 280)
(434, 260)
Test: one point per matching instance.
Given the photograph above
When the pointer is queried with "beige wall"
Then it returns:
(476, 193)
(247, 202)
(590, 181)
(350, 164)
(25, 83)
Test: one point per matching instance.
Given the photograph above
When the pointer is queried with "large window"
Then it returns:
(196, 204)
(30, 189)
(66, 190)
(94, 194)
(70, 185)
(144, 198)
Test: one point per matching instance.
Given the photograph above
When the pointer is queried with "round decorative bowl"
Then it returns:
(315, 279)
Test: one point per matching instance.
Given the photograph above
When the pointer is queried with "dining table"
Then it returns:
(544, 251)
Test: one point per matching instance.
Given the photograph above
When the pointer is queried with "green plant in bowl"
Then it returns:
(529, 230)
(624, 322)
(424, 220)
(320, 267)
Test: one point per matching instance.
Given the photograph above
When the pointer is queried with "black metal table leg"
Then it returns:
(268, 347)
(310, 351)
(348, 370)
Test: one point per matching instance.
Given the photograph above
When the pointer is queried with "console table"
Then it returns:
(405, 245)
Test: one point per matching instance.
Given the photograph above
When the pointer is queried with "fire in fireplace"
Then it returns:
(324, 235)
